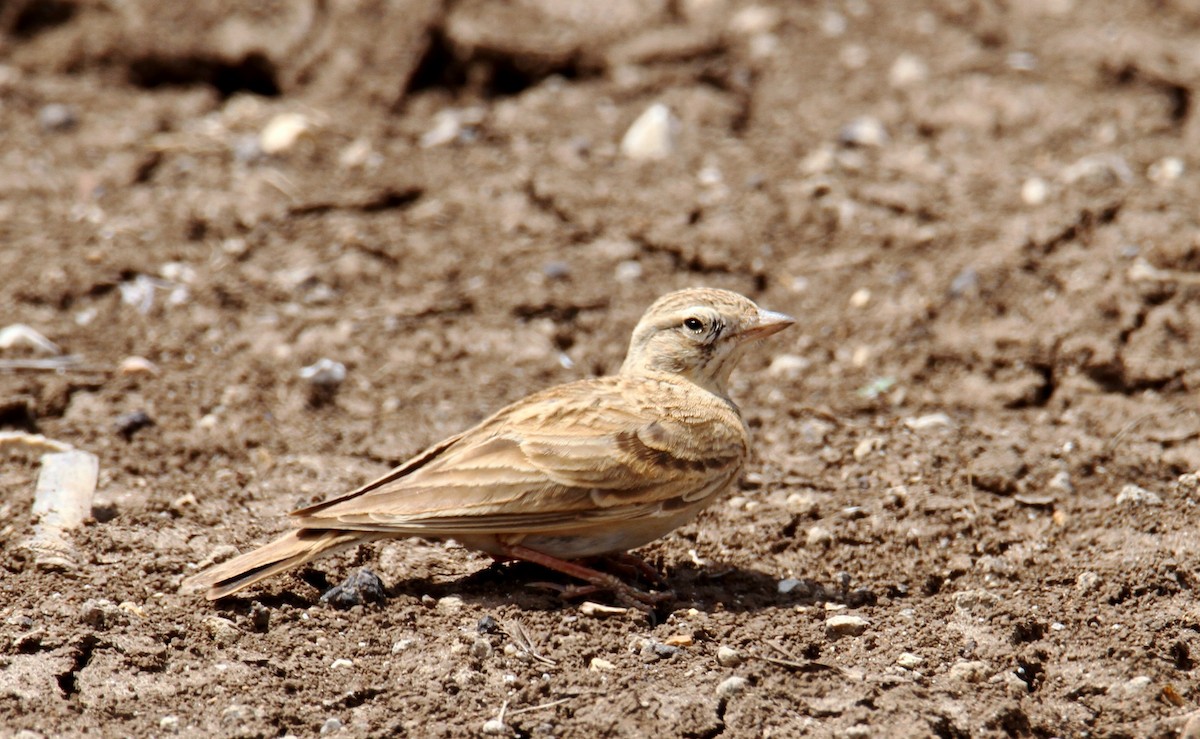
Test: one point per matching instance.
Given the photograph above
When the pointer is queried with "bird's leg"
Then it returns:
(635, 564)
(597, 581)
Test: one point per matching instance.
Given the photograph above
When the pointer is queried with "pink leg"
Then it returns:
(597, 581)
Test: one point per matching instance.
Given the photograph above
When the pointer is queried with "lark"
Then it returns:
(590, 469)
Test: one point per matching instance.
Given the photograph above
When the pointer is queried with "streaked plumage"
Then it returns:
(593, 467)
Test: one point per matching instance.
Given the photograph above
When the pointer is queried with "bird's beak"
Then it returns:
(769, 322)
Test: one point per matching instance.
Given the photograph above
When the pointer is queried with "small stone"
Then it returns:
(1087, 581)
(788, 366)
(731, 686)
(331, 725)
(402, 645)
(860, 298)
(324, 373)
(929, 421)
(450, 603)
(260, 617)
(283, 132)
(221, 630)
(1134, 495)
(1131, 687)
(137, 366)
(817, 536)
(235, 714)
(1014, 684)
(169, 724)
(909, 661)
(652, 135)
(787, 585)
(973, 671)
(487, 625)
(652, 650)
(1061, 482)
(57, 117)
(907, 70)
(1098, 171)
(679, 640)
(495, 726)
(340, 663)
(865, 131)
(629, 270)
(481, 649)
(845, 625)
(754, 19)
(99, 613)
(728, 656)
(1034, 191)
(1188, 484)
(1165, 170)
(128, 424)
(361, 587)
(599, 664)
(865, 447)
(975, 600)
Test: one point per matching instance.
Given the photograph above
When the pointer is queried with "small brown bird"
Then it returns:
(587, 469)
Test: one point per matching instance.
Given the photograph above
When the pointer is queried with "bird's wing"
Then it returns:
(579, 453)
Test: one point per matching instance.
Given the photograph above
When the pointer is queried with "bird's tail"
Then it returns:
(290, 550)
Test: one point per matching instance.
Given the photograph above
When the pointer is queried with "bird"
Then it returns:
(584, 470)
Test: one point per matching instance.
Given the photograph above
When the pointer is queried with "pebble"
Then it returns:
(128, 424)
(652, 650)
(929, 421)
(1137, 496)
(972, 671)
(450, 603)
(98, 612)
(972, 600)
(453, 125)
(788, 366)
(1034, 191)
(860, 298)
(731, 686)
(169, 724)
(481, 649)
(362, 586)
(787, 585)
(1099, 170)
(1188, 483)
(1087, 581)
(331, 725)
(57, 117)
(600, 664)
(260, 617)
(909, 661)
(845, 625)
(728, 656)
(1165, 170)
(1061, 482)
(234, 714)
(907, 70)
(324, 373)
(629, 270)
(754, 19)
(495, 726)
(283, 132)
(221, 630)
(137, 366)
(1014, 684)
(341, 662)
(818, 536)
(1131, 687)
(652, 135)
(866, 131)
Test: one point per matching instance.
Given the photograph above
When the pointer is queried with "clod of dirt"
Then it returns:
(998, 471)
(128, 424)
(361, 587)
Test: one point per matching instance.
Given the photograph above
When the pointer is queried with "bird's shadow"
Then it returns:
(532, 588)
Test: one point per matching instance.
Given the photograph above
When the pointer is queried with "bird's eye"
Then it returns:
(693, 324)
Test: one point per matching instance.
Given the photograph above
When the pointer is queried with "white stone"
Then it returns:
(652, 135)
(282, 132)
(1034, 191)
(1137, 496)
(846, 625)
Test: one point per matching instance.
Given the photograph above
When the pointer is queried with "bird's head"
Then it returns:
(699, 334)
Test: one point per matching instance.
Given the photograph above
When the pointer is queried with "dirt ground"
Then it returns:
(979, 442)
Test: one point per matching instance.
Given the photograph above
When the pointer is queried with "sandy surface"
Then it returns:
(983, 214)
